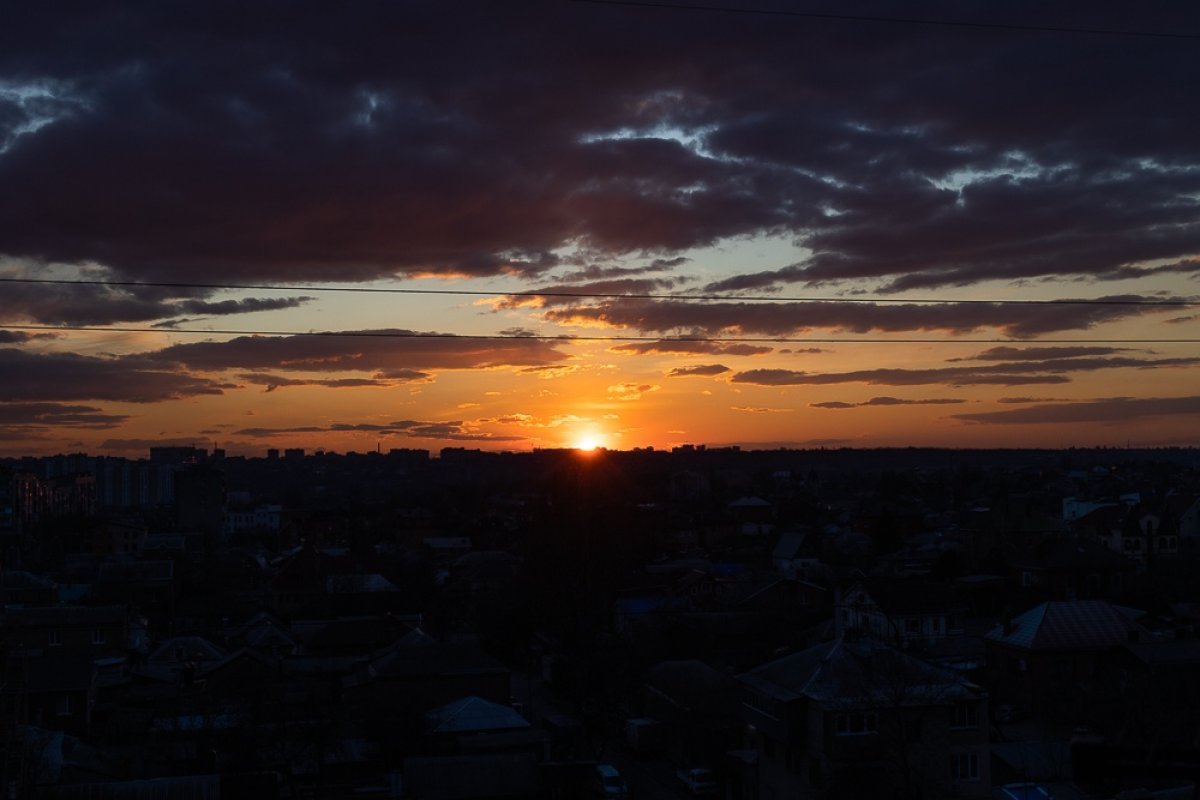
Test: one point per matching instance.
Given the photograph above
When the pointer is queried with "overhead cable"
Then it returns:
(567, 338)
(533, 293)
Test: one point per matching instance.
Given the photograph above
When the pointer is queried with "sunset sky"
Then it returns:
(869, 215)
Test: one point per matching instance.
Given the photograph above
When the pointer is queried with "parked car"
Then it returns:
(610, 783)
(700, 781)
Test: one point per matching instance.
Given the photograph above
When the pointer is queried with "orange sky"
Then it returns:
(792, 233)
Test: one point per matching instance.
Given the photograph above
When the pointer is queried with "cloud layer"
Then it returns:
(583, 151)
(248, 151)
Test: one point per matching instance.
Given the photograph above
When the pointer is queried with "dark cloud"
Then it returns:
(402, 375)
(789, 318)
(1026, 400)
(704, 370)
(66, 376)
(20, 337)
(385, 351)
(597, 272)
(1050, 371)
(890, 401)
(449, 431)
(268, 432)
(178, 143)
(57, 415)
(560, 294)
(1111, 410)
(245, 306)
(273, 382)
(687, 347)
(1005, 353)
(1187, 266)
(89, 304)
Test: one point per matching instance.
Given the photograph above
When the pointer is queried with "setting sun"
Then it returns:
(587, 443)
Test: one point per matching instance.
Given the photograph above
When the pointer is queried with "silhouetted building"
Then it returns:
(200, 502)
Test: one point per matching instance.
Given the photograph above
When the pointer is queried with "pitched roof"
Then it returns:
(789, 545)
(857, 673)
(1176, 505)
(358, 584)
(474, 714)
(1068, 625)
(20, 579)
(184, 649)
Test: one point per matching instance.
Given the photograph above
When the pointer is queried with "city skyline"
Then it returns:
(598, 224)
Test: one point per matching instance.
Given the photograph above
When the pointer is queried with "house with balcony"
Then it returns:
(903, 613)
(856, 717)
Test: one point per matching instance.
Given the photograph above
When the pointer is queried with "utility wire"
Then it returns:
(590, 337)
(947, 23)
(1175, 303)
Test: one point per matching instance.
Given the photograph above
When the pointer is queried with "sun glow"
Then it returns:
(587, 442)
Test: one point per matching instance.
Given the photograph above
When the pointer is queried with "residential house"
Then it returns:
(90, 631)
(1044, 661)
(1182, 511)
(794, 556)
(23, 589)
(697, 706)
(1150, 690)
(417, 674)
(903, 613)
(262, 518)
(360, 594)
(118, 538)
(856, 717)
(55, 691)
(1073, 567)
(262, 633)
(185, 654)
(1133, 531)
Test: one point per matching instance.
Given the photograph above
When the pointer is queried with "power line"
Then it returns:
(1099, 301)
(1001, 26)
(591, 337)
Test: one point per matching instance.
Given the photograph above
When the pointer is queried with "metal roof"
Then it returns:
(1068, 625)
